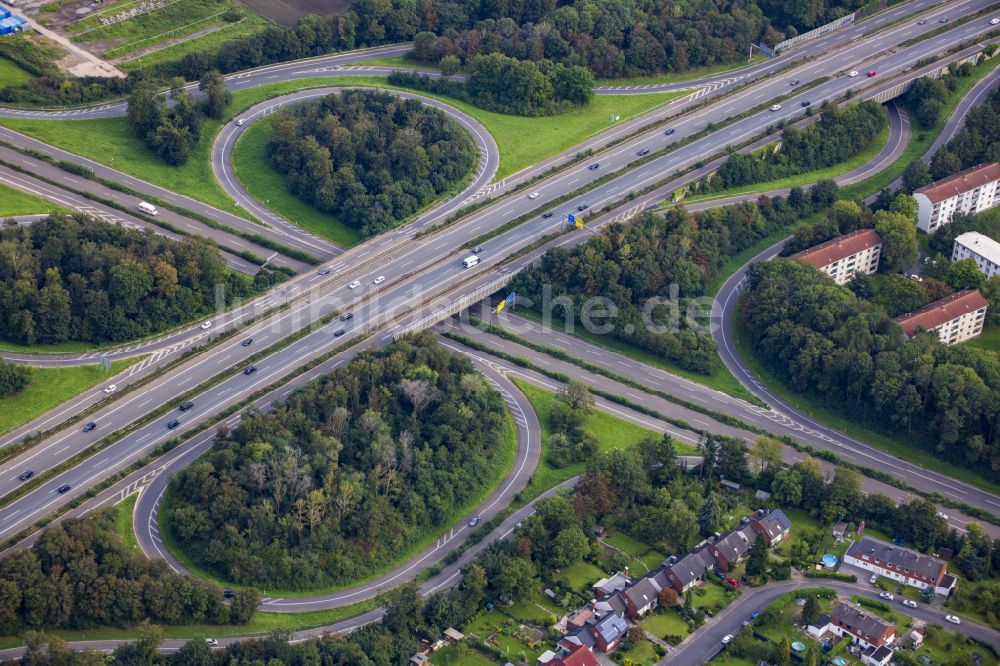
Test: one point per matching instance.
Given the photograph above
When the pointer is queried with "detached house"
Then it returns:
(865, 629)
(901, 564)
(773, 525)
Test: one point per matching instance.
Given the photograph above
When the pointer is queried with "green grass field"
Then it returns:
(210, 42)
(503, 464)
(460, 655)
(720, 379)
(12, 75)
(6, 345)
(611, 433)
(834, 419)
(123, 523)
(51, 386)
(989, 339)
(16, 202)
(643, 653)
(266, 185)
(173, 21)
(666, 622)
(580, 576)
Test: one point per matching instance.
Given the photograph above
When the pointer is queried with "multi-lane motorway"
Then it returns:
(417, 272)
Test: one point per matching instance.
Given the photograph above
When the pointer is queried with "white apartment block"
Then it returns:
(843, 256)
(972, 190)
(954, 318)
(983, 249)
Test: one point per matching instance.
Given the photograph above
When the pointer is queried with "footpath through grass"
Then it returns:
(492, 481)
(720, 379)
(51, 386)
(16, 202)
(824, 414)
(611, 433)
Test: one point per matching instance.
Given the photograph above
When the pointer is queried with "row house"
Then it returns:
(901, 564)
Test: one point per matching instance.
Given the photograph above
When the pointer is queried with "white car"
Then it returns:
(873, 579)
(207, 325)
(534, 195)
(776, 107)
(379, 280)
(110, 388)
(909, 603)
(354, 285)
(211, 642)
(886, 595)
(241, 121)
(727, 639)
(994, 21)
(942, 516)
(954, 619)
(852, 73)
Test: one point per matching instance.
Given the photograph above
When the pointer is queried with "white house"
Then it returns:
(972, 190)
(982, 249)
(901, 565)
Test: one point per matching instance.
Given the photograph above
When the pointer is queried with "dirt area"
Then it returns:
(59, 13)
(287, 12)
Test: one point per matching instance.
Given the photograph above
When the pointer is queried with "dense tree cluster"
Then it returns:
(838, 135)
(671, 257)
(173, 133)
(81, 574)
(978, 141)
(569, 442)
(79, 278)
(823, 340)
(344, 475)
(371, 158)
(508, 85)
(13, 378)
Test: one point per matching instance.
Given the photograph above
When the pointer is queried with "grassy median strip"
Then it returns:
(16, 202)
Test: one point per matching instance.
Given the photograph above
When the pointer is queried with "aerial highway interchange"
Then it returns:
(395, 281)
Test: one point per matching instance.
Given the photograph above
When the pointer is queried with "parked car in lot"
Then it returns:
(25, 475)
(909, 603)
(873, 579)
(64, 488)
(954, 619)
(90, 426)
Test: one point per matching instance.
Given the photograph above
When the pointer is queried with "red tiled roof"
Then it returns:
(936, 313)
(961, 182)
(839, 248)
(578, 655)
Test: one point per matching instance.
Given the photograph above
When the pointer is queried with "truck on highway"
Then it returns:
(470, 261)
(147, 208)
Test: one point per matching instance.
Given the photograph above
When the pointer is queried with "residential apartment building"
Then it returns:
(982, 249)
(972, 190)
(900, 564)
(843, 256)
(954, 318)
(863, 628)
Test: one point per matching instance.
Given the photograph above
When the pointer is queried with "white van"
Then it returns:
(469, 262)
(147, 208)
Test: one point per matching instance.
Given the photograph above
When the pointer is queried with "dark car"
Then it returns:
(477, 249)
(595, 166)
(324, 271)
(794, 82)
(806, 102)
(186, 406)
(546, 216)
(346, 316)
(90, 426)
(670, 131)
(249, 371)
(644, 151)
(339, 332)
(582, 207)
(173, 424)
(228, 594)
(247, 342)
(64, 488)
(944, 19)
(474, 521)
(25, 475)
